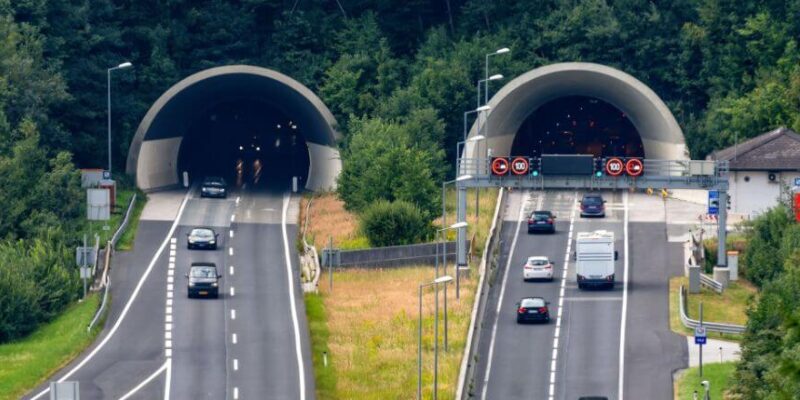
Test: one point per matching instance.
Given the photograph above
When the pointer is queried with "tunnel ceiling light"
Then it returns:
(496, 77)
(279, 126)
(503, 50)
(294, 126)
(241, 147)
(258, 148)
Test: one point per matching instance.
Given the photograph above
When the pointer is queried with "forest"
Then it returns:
(399, 73)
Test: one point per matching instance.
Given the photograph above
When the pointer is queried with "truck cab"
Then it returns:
(594, 259)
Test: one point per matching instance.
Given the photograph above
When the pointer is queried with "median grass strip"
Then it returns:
(730, 307)
(368, 326)
(26, 363)
(718, 375)
(125, 242)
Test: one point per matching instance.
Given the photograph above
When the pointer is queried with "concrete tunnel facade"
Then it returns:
(155, 149)
(660, 133)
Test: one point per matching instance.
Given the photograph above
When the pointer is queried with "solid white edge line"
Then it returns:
(295, 323)
(168, 383)
(502, 292)
(624, 302)
(128, 305)
(146, 381)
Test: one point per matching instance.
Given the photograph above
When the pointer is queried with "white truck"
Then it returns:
(594, 259)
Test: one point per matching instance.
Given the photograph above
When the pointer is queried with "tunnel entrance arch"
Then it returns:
(512, 123)
(242, 118)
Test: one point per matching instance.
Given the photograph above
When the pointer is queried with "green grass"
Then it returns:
(324, 377)
(26, 363)
(125, 242)
(488, 201)
(718, 375)
(729, 307)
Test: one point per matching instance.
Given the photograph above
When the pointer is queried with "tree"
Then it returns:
(394, 223)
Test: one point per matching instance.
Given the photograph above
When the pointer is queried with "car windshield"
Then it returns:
(530, 303)
(214, 182)
(203, 272)
(592, 200)
(203, 233)
(537, 262)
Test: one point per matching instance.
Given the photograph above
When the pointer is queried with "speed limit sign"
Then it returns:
(519, 166)
(615, 166)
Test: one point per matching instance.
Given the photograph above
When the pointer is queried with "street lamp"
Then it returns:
(486, 70)
(108, 81)
(486, 83)
(439, 280)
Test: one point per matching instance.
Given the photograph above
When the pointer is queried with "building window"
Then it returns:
(746, 178)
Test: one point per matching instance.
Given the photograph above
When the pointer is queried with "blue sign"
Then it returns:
(797, 181)
(700, 335)
(699, 340)
(713, 202)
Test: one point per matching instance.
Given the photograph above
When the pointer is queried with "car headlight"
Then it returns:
(214, 284)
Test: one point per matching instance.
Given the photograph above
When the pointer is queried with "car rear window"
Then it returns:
(203, 233)
(532, 303)
(541, 216)
(592, 200)
(203, 272)
(538, 262)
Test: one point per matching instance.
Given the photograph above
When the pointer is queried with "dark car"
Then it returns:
(593, 205)
(532, 309)
(202, 238)
(593, 398)
(203, 280)
(542, 221)
(214, 186)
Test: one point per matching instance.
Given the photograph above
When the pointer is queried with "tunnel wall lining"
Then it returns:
(153, 154)
(661, 135)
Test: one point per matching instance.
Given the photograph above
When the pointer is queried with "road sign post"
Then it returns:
(700, 338)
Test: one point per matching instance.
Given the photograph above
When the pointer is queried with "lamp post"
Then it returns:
(440, 233)
(486, 70)
(108, 81)
(436, 282)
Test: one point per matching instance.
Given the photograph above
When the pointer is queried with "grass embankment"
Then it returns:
(26, 363)
(718, 375)
(124, 195)
(479, 230)
(368, 326)
(125, 242)
(729, 307)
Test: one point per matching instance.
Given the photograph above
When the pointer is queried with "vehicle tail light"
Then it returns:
(530, 221)
(610, 278)
(549, 220)
(521, 310)
(543, 310)
(548, 266)
(528, 266)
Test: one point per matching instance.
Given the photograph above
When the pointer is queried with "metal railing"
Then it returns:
(466, 375)
(313, 250)
(710, 326)
(125, 221)
(710, 283)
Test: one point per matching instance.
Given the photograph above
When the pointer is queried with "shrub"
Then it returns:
(395, 223)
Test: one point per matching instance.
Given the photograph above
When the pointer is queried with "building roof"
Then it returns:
(776, 150)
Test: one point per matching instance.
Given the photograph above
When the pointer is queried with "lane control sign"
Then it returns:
(700, 335)
(519, 166)
(615, 166)
(634, 167)
(500, 166)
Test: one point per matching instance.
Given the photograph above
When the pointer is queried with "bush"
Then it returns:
(395, 223)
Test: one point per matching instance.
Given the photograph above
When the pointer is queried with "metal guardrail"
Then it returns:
(310, 248)
(466, 373)
(710, 283)
(125, 221)
(710, 326)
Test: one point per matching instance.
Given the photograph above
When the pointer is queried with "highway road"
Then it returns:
(579, 352)
(251, 343)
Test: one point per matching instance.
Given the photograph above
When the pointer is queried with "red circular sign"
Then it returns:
(500, 166)
(634, 167)
(615, 166)
(519, 166)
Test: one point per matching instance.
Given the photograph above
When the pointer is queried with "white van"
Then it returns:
(594, 259)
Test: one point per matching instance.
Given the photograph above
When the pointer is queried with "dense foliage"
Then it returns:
(394, 223)
(770, 367)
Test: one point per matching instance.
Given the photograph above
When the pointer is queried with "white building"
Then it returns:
(762, 170)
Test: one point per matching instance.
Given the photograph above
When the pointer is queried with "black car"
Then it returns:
(593, 205)
(532, 309)
(203, 280)
(214, 186)
(202, 238)
(542, 221)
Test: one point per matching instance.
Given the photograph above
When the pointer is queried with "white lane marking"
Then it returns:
(169, 302)
(168, 383)
(593, 299)
(169, 318)
(234, 338)
(167, 327)
(173, 240)
(169, 295)
(170, 287)
(237, 200)
(554, 360)
(233, 291)
(236, 393)
(231, 233)
(170, 279)
(230, 270)
(146, 381)
(233, 313)
(230, 251)
(172, 247)
(167, 344)
(169, 309)
(171, 272)
(502, 292)
(295, 323)
(167, 335)
(624, 302)
(128, 305)
(233, 216)
(235, 364)
(168, 353)
(172, 260)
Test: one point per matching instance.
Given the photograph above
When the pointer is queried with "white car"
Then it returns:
(537, 268)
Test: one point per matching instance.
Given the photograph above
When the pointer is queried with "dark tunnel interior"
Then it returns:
(578, 125)
(245, 141)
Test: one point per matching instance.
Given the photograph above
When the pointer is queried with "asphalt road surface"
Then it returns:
(579, 353)
(251, 343)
